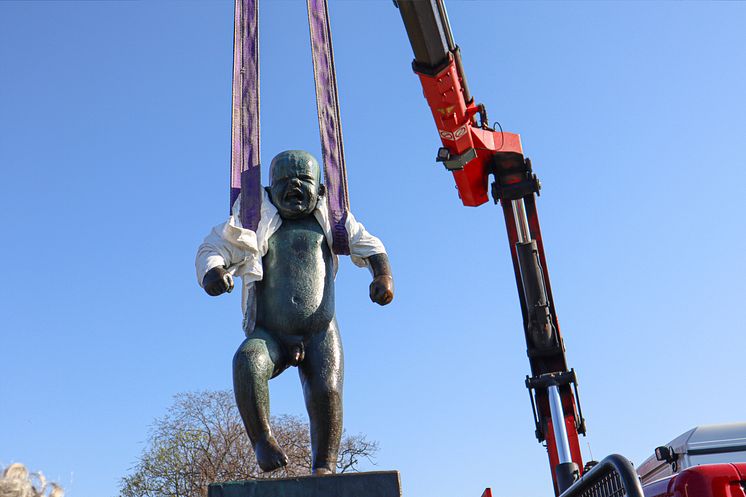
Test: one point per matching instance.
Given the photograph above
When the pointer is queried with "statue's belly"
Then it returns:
(296, 295)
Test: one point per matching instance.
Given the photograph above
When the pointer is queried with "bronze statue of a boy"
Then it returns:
(288, 271)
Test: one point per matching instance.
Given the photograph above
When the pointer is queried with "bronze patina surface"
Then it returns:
(295, 318)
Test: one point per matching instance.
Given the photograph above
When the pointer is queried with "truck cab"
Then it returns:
(706, 461)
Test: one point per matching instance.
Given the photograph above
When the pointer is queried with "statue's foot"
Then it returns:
(322, 471)
(269, 455)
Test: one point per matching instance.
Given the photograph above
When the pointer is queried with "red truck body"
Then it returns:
(711, 480)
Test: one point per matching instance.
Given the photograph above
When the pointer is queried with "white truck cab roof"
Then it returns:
(707, 444)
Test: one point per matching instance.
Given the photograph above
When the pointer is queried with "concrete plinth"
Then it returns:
(370, 484)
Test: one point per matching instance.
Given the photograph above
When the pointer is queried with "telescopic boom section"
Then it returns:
(473, 151)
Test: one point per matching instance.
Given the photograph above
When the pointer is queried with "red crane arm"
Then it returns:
(473, 151)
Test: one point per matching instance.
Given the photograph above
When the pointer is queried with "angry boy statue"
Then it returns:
(288, 269)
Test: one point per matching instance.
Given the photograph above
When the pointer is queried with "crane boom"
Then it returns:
(473, 152)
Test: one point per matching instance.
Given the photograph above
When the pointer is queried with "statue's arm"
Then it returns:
(217, 281)
(214, 256)
(368, 251)
(382, 287)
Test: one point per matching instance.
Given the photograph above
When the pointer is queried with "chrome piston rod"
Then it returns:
(558, 423)
(521, 221)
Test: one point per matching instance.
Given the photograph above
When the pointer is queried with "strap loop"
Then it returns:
(245, 159)
(330, 125)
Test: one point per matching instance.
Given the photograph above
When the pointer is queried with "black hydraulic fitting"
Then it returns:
(540, 327)
(567, 473)
(503, 190)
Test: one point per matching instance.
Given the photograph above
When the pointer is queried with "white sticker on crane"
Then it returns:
(447, 135)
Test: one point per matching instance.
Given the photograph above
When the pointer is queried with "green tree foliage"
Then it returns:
(201, 440)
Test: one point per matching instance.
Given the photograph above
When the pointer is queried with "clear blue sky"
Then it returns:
(114, 149)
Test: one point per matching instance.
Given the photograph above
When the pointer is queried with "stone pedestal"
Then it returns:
(370, 484)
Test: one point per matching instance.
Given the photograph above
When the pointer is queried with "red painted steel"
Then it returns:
(550, 363)
(709, 480)
(458, 131)
(500, 153)
(572, 435)
(445, 95)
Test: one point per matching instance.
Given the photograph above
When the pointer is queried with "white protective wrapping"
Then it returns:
(241, 250)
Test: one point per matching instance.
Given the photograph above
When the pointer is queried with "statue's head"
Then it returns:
(295, 186)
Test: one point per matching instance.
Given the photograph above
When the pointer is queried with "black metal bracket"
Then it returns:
(455, 162)
(546, 380)
(528, 183)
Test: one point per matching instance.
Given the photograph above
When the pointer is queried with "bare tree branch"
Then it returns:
(201, 440)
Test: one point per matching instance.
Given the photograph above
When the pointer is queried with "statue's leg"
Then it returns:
(322, 376)
(258, 359)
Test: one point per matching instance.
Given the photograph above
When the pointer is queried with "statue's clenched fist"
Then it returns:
(217, 281)
(382, 289)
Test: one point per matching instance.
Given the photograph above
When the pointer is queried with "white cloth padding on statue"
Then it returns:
(241, 250)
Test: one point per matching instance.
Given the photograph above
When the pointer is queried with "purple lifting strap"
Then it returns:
(245, 172)
(330, 126)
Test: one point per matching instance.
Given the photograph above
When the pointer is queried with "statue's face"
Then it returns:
(295, 184)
